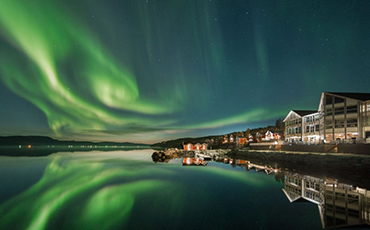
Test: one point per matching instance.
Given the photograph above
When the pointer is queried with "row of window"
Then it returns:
(312, 118)
(313, 185)
(295, 130)
(293, 189)
(293, 180)
(339, 111)
(341, 195)
(294, 122)
(316, 128)
(299, 120)
(312, 195)
(298, 130)
(313, 128)
(341, 211)
(341, 123)
(331, 99)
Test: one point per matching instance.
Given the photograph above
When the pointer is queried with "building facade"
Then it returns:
(302, 126)
(197, 146)
(228, 139)
(341, 118)
(340, 205)
(241, 141)
(311, 128)
(345, 117)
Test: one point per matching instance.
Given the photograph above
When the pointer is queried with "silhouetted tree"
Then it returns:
(279, 177)
(279, 124)
(248, 132)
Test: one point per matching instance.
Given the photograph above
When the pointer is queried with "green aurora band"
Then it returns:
(101, 197)
(48, 38)
(63, 68)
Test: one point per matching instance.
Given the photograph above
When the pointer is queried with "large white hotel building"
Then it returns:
(341, 117)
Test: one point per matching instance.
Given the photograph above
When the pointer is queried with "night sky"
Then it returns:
(153, 70)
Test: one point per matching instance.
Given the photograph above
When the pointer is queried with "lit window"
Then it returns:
(352, 123)
(339, 123)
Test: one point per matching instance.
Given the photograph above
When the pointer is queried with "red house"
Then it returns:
(197, 146)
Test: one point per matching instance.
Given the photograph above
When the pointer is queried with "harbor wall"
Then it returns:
(309, 148)
(354, 148)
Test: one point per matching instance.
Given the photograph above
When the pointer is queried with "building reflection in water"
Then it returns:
(248, 165)
(188, 161)
(340, 205)
(192, 159)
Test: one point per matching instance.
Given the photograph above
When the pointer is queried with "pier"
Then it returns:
(168, 154)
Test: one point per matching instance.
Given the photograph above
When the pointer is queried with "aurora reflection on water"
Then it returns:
(127, 190)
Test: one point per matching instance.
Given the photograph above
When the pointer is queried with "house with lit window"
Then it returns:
(297, 122)
(260, 137)
(252, 138)
(240, 140)
(228, 139)
(231, 138)
(270, 136)
(311, 128)
(197, 146)
(345, 117)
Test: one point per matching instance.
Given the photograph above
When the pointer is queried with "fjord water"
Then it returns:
(127, 190)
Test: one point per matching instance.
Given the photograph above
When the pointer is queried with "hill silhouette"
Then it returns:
(45, 141)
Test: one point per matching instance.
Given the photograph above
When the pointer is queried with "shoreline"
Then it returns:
(348, 168)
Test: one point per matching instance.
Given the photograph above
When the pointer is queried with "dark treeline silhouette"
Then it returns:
(216, 141)
(45, 141)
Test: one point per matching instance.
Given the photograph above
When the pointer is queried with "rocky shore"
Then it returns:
(347, 168)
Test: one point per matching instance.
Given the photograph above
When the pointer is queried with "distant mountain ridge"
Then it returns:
(44, 141)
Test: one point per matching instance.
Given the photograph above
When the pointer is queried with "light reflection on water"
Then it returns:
(110, 190)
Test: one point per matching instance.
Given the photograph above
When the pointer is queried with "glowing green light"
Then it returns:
(69, 75)
(87, 186)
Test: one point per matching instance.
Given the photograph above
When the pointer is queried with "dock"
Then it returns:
(207, 155)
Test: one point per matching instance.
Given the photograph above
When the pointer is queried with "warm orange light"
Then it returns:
(29, 146)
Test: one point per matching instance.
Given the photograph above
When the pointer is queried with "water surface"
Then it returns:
(127, 190)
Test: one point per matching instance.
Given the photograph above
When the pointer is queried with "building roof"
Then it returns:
(292, 196)
(356, 96)
(304, 112)
(300, 113)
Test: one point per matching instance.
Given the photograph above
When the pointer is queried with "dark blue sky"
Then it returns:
(155, 70)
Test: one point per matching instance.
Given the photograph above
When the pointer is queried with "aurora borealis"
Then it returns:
(151, 70)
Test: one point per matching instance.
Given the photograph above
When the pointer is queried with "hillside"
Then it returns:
(178, 143)
(215, 141)
(45, 141)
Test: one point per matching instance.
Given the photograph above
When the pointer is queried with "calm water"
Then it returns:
(127, 190)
